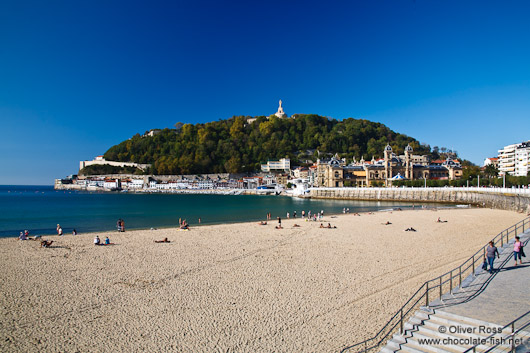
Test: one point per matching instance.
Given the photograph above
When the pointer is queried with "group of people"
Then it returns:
(97, 241)
(491, 251)
(183, 224)
(120, 224)
(328, 226)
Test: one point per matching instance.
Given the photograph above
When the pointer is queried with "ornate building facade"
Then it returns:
(336, 173)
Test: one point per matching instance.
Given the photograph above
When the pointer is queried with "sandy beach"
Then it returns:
(230, 288)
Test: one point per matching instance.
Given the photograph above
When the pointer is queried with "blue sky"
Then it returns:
(77, 77)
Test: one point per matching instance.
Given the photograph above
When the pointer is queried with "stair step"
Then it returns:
(444, 316)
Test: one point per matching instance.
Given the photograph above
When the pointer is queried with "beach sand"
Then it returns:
(230, 288)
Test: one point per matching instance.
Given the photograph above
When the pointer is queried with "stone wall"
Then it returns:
(500, 200)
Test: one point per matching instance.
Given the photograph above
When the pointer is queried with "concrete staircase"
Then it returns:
(427, 326)
(478, 297)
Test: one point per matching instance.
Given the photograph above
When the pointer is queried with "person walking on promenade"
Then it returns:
(491, 251)
(517, 247)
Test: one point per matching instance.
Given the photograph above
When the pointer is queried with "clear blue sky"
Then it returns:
(77, 77)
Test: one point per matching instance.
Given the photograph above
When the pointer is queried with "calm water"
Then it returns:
(40, 208)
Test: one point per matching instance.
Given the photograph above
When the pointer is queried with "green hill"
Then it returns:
(235, 146)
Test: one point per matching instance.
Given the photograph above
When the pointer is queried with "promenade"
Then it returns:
(497, 298)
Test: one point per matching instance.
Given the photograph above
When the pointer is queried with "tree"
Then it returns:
(491, 171)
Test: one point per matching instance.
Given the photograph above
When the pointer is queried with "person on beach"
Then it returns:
(303, 214)
(74, 232)
(517, 247)
(97, 241)
(58, 226)
(321, 225)
(287, 215)
(263, 223)
(22, 236)
(162, 241)
(410, 229)
(294, 214)
(46, 243)
(107, 241)
(280, 221)
(387, 223)
(490, 255)
(330, 227)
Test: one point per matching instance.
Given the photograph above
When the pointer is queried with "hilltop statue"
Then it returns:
(280, 113)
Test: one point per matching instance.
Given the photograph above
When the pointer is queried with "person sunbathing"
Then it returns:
(387, 223)
(165, 240)
(410, 229)
(330, 227)
(296, 225)
(263, 223)
(440, 221)
(46, 243)
(278, 227)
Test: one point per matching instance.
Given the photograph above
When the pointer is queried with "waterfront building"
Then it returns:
(514, 159)
(335, 173)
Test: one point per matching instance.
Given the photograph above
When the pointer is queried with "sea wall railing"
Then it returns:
(515, 338)
(489, 190)
(435, 288)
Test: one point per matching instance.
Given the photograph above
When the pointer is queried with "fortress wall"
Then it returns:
(504, 201)
(83, 164)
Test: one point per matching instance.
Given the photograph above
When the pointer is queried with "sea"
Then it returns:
(39, 209)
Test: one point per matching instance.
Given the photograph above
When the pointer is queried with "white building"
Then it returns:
(111, 184)
(491, 161)
(136, 184)
(283, 165)
(514, 159)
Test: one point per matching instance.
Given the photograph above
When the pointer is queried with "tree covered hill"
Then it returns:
(235, 146)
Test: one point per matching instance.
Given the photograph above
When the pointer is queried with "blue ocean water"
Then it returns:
(40, 208)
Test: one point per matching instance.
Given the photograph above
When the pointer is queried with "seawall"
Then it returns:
(505, 199)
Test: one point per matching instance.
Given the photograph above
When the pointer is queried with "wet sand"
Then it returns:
(230, 288)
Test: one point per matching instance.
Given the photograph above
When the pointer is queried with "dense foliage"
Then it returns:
(101, 169)
(235, 146)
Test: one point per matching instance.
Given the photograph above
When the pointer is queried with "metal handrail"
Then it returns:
(425, 288)
(513, 333)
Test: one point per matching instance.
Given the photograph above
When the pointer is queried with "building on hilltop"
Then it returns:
(280, 114)
(99, 160)
(514, 159)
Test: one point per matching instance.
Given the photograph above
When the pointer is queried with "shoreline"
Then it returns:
(406, 205)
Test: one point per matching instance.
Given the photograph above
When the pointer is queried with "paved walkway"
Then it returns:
(497, 298)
